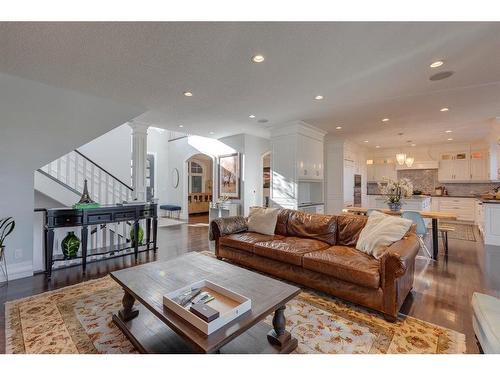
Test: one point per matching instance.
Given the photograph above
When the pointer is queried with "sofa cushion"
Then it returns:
(349, 228)
(282, 221)
(246, 240)
(262, 220)
(289, 249)
(319, 227)
(486, 322)
(345, 263)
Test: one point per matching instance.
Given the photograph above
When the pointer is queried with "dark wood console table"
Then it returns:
(68, 217)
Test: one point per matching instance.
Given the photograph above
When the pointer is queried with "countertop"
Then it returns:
(491, 201)
(441, 196)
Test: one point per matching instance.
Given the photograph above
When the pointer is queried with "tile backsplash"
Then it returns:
(426, 180)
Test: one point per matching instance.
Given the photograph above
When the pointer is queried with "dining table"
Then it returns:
(435, 216)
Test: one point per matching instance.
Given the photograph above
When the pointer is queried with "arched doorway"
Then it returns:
(199, 187)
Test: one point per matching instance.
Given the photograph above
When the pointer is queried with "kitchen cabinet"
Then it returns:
(464, 208)
(480, 216)
(479, 166)
(310, 158)
(349, 169)
(464, 166)
(376, 172)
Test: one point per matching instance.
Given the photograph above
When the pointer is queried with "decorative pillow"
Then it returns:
(262, 220)
(381, 231)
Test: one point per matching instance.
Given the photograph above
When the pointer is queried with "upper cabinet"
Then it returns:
(310, 163)
(378, 171)
(464, 166)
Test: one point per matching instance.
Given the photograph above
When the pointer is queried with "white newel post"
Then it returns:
(139, 155)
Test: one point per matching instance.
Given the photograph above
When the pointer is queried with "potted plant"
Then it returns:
(7, 225)
(395, 191)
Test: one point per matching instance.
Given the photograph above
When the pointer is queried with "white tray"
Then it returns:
(229, 304)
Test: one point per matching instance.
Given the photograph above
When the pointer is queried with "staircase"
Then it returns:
(71, 170)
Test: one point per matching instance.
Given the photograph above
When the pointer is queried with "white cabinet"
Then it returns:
(464, 166)
(310, 158)
(464, 208)
(480, 216)
(479, 165)
(349, 168)
(377, 171)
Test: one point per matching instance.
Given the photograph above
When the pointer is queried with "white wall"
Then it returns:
(40, 123)
(112, 151)
(158, 146)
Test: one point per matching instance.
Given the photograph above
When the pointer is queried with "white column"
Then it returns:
(139, 155)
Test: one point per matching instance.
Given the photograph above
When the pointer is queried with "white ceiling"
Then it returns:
(366, 71)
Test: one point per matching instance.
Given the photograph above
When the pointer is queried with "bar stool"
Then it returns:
(444, 229)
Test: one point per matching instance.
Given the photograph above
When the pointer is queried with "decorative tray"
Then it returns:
(229, 304)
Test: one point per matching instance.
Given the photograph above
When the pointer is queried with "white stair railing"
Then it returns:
(72, 169)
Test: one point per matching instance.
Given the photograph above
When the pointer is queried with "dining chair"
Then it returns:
(418, 220)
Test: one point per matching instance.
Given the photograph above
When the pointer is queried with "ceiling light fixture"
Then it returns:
(377, 146)
(450, 139)
(448, 131)
(413, 145)
(181, 126)
(365, 141)
(211, 132)
(258, 58)
(385, 119)
(436, 64)
(319, 97)
(252, 116)
(444, 109)
(400, 158)
(188, 93)
(338, 127)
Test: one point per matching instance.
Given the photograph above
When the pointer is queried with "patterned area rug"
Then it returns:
(462, 232)
(77, 319)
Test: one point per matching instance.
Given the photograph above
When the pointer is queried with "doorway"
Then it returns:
(200, 188)
(266, 179)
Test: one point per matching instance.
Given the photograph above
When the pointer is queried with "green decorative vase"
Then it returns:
(140, 237)
(70, 245)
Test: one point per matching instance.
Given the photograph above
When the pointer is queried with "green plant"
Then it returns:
(7, 225)
(141, 236)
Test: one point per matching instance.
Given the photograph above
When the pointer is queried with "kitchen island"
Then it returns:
(491, 224)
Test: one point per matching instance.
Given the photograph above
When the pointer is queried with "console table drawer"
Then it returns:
(67, 220)
(146, 213)
(99, 218)
(125, 215)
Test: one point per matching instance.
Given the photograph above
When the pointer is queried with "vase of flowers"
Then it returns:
(395, 191)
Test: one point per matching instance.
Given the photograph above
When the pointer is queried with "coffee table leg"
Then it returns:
(279, 336)
(128, 312)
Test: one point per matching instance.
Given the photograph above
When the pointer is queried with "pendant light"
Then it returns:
(400, 158)
(409, 161)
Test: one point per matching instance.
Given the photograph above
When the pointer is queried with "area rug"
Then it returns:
(77, 319)
(462, 232)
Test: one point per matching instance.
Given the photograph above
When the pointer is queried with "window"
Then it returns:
(196, 168)
(196, 182)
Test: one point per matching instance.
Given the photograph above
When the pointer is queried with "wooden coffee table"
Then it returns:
(152, 328)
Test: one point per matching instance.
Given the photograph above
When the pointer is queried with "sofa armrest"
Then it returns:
(400, 256)
(224, 226)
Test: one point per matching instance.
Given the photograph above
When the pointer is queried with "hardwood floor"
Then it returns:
(441, 294)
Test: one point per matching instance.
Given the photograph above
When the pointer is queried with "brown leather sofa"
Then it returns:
(318, 251)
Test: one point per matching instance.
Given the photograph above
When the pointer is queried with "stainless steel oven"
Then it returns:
(357, 190)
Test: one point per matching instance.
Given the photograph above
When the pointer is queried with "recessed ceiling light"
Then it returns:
(450, 139)
(181, 126)
(365, 141)
(252, 116)
(385, 119)
(377, 146)
(413, 145)
(257, 58)
(436, 64)
(444, 109)
(338, 127)
(212, 133)
(319, 97)
(188, 93)
(448, 131)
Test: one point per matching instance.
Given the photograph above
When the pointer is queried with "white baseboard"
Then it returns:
(18, 271)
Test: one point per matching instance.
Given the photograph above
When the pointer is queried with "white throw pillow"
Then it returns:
(380, 231)
(262, 220)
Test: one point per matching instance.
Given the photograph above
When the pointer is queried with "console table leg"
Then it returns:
(279, 336)
(128, 312)
(49, 248)
(148, 233)
(155, 232)
(136, 239)
(84, 236)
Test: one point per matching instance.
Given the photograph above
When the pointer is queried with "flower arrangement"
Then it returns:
(395, 191)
